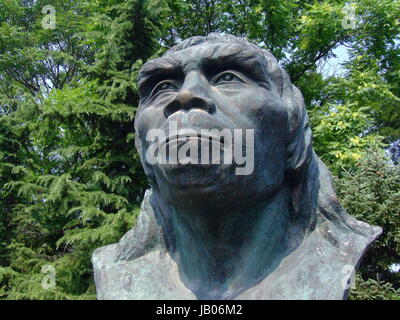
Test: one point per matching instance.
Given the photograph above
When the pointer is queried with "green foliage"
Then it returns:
(371, 192)
(373, 290)
(41, 59)
(79, 185)
(339, 136)
(70, 178)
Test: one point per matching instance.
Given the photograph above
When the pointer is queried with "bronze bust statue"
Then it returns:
(274, 230)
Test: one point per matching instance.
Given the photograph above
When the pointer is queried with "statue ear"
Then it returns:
(300, 136)
(299, 146)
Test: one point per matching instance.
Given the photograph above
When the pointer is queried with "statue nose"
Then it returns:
(190, 96)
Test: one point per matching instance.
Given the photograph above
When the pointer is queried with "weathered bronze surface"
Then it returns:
(205, 232)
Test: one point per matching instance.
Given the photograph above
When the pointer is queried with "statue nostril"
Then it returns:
(171, 108)
(184, 102)
(197, 103)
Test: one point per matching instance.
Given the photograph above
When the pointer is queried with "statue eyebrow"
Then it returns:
(157, 70)
(160, 65)
(216, 60)
(240, 60)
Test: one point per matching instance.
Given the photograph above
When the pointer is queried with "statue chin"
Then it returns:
(188, 176)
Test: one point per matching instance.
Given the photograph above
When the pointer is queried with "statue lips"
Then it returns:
(206, 173)
(205, 143)
(190, 124)
(184, 135)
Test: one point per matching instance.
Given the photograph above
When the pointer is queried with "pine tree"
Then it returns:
(371, 192)
(86, 182)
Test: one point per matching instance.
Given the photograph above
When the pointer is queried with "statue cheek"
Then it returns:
(148, 118)
(257, 101)
(272, 108)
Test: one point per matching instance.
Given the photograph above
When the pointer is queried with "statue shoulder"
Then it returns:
(104, 256)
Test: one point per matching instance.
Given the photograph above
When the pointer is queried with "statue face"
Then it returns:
(215, 86)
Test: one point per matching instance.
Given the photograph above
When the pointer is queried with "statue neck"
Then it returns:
(223, 252)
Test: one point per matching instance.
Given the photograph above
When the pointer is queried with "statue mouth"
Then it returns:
(192, 148)
(185, 135)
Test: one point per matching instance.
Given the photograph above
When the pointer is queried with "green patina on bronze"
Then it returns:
(278, 233)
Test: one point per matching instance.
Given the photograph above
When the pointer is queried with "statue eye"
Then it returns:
(163, 86)
(227, 77)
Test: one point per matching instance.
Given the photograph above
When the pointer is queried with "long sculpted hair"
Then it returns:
(313, 197)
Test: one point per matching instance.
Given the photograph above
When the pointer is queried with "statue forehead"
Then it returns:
(207, 52)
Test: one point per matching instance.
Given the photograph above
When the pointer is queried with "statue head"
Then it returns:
(225, 82)
(221, 82)
(226, 85)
